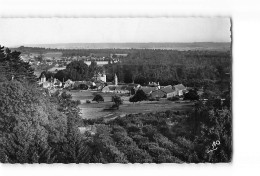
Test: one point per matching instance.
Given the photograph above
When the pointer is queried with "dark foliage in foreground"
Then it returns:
(165, 137)
(12, 67)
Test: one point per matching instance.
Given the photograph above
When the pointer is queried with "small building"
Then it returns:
(46, 84)
(180, 89)
(148, 90)
(100, 77)
(68, 83)
(158, 94)
(42, 79)
(57, 83)
(169, 91)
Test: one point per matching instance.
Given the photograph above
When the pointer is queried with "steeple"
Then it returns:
(116, 80)
(43, 78)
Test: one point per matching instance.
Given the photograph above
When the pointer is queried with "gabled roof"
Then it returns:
(148, 90)
(179, 87)
(167, 89)
(69, 81)
(158, 93)
(58, 81)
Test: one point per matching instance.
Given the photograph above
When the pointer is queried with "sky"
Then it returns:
(22, 31)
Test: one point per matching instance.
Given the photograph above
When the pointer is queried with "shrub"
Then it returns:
(117, 101)
(191, 95)
(139, 96)
(98, 98)
(176, 98)
(88, 101)
(133, 128)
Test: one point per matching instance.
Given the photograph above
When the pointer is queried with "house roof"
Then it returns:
(68, 81)
(158, 92)
(148, 90)
(179, 87)
(167, 89)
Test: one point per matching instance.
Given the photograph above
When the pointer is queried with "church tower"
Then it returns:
(116, 80)
(43, 78)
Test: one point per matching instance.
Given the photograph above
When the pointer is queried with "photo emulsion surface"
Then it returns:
(116, 90)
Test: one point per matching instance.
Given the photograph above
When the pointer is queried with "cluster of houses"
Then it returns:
(152, 90)
(56, 58)
(53, 83)
(49, 84)
(167, 91)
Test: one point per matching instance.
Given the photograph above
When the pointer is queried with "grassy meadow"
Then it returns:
(95, 110)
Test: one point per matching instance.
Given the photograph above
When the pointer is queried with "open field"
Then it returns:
(95, 110)
(54, 69)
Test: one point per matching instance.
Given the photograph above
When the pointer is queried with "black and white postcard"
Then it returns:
(116, 90)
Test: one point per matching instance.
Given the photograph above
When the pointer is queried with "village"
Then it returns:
(159, 98)
(55, 61)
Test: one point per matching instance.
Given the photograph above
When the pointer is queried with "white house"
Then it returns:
(68, 83)
(101, 77)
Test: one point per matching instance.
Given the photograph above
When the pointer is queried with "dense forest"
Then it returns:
(164, 137)
(169, 66)
(39, 127)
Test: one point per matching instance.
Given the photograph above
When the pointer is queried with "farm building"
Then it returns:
(168, 90)
(158, 94)
(148, 90)
(180, 89)
(68, 83)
